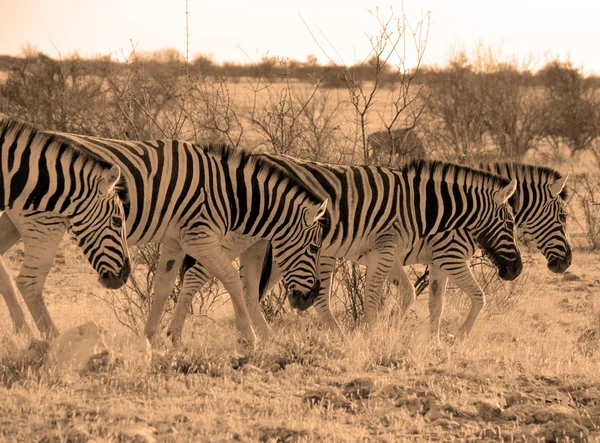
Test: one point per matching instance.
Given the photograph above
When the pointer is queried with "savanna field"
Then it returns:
(527, 372)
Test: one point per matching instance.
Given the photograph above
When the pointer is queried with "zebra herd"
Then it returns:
(284, 218)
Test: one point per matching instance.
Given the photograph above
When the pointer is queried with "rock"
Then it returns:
(516, 398)
(138, 433)
(569, 276)
(562, 430)
(326, 397)
(73, 349)
(78, 433)
(358, 388)
(488, 411)
(36, 353)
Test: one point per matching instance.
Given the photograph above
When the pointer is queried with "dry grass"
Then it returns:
(530, 373)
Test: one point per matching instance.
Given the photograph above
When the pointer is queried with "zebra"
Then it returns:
(188, 197)
(376, 214)
(540, 212)
(389, 146)
(45, 179)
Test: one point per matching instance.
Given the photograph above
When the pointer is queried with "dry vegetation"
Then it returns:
(527, 373)
(529, 370)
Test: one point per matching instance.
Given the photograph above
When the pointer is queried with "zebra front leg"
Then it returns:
(461, 275)
(323, 303)
(169, 264)
(437, 292)
(9, 235)
(42, 234)
(193, 280)
(404, 287)
(9, 292)
(251, 270)
(210, 253)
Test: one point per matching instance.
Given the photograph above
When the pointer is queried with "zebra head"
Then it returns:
(543, 220)
(98, 224)
(297, 255)
(496, 234)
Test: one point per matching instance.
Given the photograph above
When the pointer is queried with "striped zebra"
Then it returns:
(540, 213)
(189, 197)
(45, 179)
(377, 214)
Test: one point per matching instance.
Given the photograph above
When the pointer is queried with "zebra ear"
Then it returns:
(557, 187)
(315, 213)
(505, 193)
(109, 179)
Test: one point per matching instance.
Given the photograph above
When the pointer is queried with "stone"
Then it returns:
(326, 397)
(74, 349)
(359, 388)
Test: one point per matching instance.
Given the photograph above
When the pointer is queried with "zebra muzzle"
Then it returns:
(302, 301)
(559, 265)
(511, 270)
(111, 280)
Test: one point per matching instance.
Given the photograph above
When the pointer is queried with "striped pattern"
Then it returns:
(40, 173)
(378, 214)
(540, 213)
(189, 197)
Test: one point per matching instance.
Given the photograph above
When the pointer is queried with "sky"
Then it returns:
(245, 30)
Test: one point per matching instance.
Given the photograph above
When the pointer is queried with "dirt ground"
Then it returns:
(528, 372)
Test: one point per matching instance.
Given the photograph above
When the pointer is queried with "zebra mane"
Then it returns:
(525, 173)
(453, 173)
(38, 139)
(245, 157)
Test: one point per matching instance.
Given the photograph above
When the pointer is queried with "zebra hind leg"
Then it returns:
(193, 281)
(437, 299)
(251, 264)
(210, 253)
(322, 302)
(404, 287)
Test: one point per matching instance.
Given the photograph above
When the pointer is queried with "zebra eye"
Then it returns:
(562, 217)
(117, 221)
(313, 248)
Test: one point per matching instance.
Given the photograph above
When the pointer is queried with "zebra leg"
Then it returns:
(211, 254)
(169, 264)
(8, 237)
(323, 303)
(404, 286)
(379, 262)
(251, 267)
(193, 281)
(461, 275)
(437, 292)
(42, 234)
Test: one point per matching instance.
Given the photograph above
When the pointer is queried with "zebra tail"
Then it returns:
(188, 262)
(422, 282)
(265, 274)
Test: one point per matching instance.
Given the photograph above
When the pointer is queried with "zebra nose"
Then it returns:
(559, 265)
(511, 269)
(111, 280)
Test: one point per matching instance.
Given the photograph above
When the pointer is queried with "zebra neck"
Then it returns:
(45, 178)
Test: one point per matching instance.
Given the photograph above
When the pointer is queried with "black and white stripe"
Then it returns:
(189, 197)
(378, 214)
(540, 213)
(42, 177)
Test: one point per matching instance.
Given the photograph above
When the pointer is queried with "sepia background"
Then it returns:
(471, 82)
